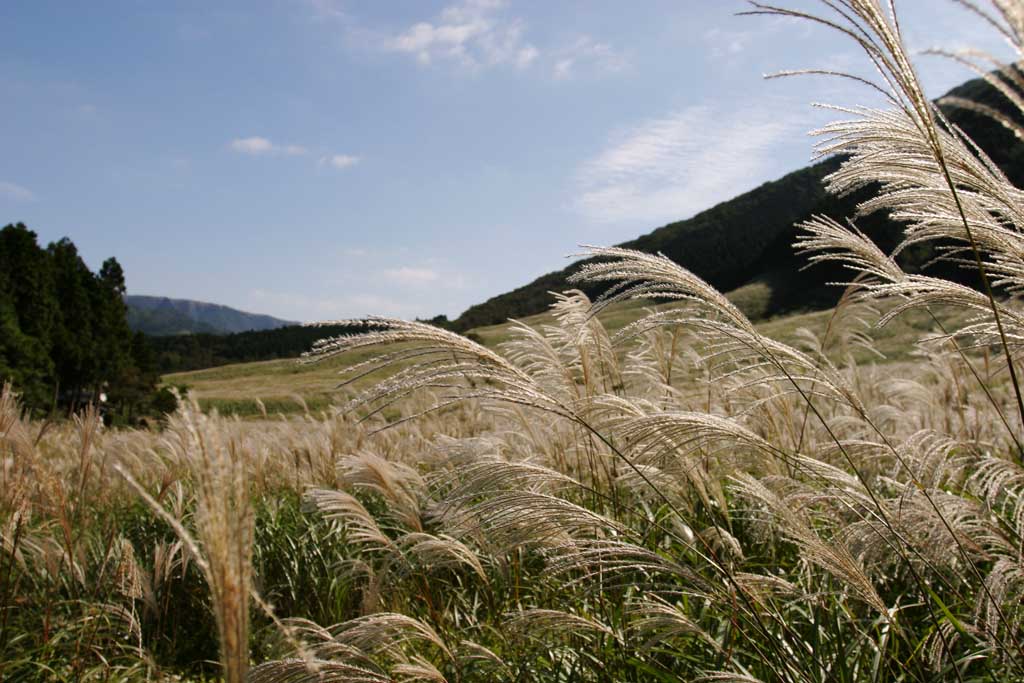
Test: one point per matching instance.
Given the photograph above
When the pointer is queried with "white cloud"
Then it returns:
(340, 161)
(328, 9)
(411, 277)
(524, 56)
(672, 167)
(472, 33)
(589, 55)
(727, 43)
(300, 306)
(16, 192)
(253, 145)
(257, 145)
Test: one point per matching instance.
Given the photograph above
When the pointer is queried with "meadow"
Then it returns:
(642, 487)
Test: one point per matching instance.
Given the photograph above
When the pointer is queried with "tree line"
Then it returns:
(184, 352)
(64, 335)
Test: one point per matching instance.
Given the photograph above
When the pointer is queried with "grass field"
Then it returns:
(287, 386)
(694, 497)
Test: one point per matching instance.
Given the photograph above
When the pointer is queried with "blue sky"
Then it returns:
(318, 159)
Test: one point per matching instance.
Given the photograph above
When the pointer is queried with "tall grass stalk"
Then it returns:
(223, 526)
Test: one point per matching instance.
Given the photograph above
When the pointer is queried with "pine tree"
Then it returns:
(75, 343)
(29, 312)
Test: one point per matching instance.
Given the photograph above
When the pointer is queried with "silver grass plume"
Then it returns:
(224, 526)
(431, 358)
(932, 177)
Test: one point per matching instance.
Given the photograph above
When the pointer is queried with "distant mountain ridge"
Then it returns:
(163, 316)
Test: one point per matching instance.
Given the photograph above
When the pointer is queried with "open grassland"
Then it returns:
(581, 514)
(289, 386)
(608, 494)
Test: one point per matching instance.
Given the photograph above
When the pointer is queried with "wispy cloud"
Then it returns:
(301, 306)
(671, 167)
(328, 9)
(261, 146)
(587, 54)
(340, 161)
(473, 33)
(257, 145)
(410, 276)
(16, 192)
(723, 43)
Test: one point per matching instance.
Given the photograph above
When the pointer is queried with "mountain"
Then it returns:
(159, 316)
(748, 239)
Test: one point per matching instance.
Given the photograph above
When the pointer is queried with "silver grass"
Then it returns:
(932, 178)
(586, 335)
(725, 546)
(442, 551)
(656, 623)
(678, 431)
(537, 355)
(998, 613)
(224, 527)
(511, 519)
(418, 669)
(586, 559)
(385, 633)
(637, 275)
(830, 555)
(734, 346)
(298, 670)
(765, 586)
(547, 624)
(435, 359)
(14, 434)
(660, 358)
(477, 657)
(397, 483)
(487, 476)
(360, 526)
(727, 677)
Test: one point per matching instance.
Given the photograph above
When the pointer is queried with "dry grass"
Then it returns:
(283, 386)
(610, 493)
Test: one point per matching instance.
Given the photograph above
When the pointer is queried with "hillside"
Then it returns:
(160, 316)
(285, 386)
(748, 239)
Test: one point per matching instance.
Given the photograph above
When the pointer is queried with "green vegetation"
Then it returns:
(65, 337)
(182, 353)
